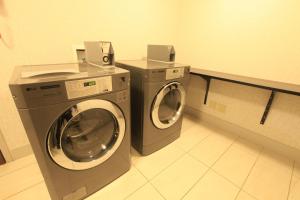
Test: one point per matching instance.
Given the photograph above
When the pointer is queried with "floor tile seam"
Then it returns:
(225, 151)
(248, 175)
(157, 190)
(251, 195)
(131, 193)
(206, 165)
(146, 182)
(23, 190)
(189, 149)
(141, 173)
(167, 167)
(290, 184)
(196, 182)
(209, 169)
(210, 166)
(226, 178)
(207, 136)
(18, 169)
(229, 180)
(149, 180)
(202, 140)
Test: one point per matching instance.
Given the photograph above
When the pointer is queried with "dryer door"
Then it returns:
(86, 134)
(168, 105)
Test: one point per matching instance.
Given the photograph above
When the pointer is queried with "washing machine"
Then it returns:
(77, 119)
(158, 93)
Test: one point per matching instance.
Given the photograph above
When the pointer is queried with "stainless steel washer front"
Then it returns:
(168, 105)
(86, 134)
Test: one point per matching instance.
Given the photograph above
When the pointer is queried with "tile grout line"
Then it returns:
(126, 197)
(258, 156)
(226, 150)
(149, 181)
(290, 185)
(254, 164)
(27, 188)
(198, 180)
(18, 169)
(186, 151)
(129, 195)
(209, 167)
(157, 190)
(234, 184)
(168, 166)
(203, 139)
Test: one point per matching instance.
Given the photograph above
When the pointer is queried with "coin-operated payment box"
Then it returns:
(164, 53)
(99, 53)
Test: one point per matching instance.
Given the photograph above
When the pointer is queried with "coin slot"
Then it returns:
(46, 87)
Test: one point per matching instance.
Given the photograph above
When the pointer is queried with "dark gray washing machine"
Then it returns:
(157, 102)
(78, 124)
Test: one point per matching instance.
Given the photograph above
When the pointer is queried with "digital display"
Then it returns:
(90, 83)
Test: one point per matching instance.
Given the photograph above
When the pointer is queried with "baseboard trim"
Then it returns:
(21, 152)
(268, 143)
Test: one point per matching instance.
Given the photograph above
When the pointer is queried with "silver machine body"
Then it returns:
(158, 92)
(77, 119)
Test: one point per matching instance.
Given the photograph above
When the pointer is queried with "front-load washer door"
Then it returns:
(86, 134)
(168, 105)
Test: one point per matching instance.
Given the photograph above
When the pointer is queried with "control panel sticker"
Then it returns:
(174, 73)
(87, 87)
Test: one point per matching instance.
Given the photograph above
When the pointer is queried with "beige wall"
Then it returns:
(252, 38)
(257, 38)
(44, 32)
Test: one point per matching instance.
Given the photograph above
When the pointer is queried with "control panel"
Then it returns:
(87, 87)
(174, 73)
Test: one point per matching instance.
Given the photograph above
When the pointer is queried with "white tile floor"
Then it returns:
(205, 163)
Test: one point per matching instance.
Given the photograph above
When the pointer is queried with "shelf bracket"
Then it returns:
(268, 107)
(207, 79)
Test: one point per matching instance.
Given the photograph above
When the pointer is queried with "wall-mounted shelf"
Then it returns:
(272, 85)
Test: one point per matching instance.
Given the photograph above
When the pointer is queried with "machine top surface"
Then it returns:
(146, 64)
(30, 74)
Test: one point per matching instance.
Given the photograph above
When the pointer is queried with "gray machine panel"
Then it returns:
(144, 64)
(55, 88)
(152, 71)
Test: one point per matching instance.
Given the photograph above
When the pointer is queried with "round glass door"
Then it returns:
(86, 134)
(168, 105)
